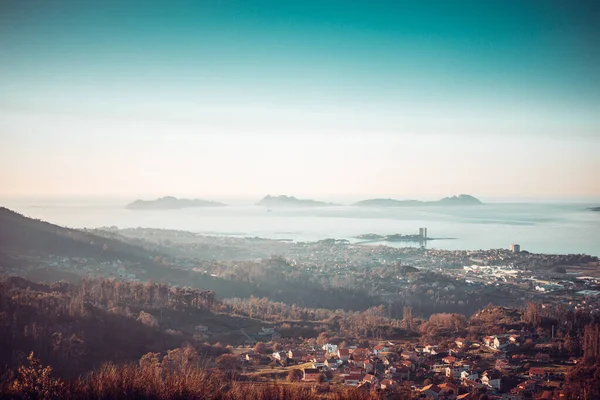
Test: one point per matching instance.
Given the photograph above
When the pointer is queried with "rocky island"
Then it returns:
(461, 200)
(595, 209)
(291, 201)
(171, 203)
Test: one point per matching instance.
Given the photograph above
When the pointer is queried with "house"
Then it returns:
(488, 340)
(372, 379)
(353, 379)
(343, 354)
(380, 348)
(432, 391)
(369, 367)
(359, 360)
(537, 374)
(331, 363)
(448, 391)
(310, 374)
(253, 357)
(408, 365)
(449, 360)
(469, 375)
(438, 367)
(461, 343)
(492, 379)
(525, 388)
(330, 348)
(281, 356)
(361, 353)
(502, 365)
(472, 384)
(398, 372)
(430, 349)
(295, 355)
(455, 372)
(201, 328)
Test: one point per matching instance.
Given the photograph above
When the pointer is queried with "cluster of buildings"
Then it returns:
(517, 365)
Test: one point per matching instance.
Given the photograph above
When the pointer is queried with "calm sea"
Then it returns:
(540, 228)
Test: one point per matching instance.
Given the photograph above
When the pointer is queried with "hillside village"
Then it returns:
(518, 364)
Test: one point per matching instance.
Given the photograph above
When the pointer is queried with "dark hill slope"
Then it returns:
(23, 235)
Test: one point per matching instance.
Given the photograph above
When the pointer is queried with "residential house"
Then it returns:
(353, 379)
(372, 379)
(514, 340)
(296, 355)
(526, 388)
(455, 371)
(492, 379)
(253, 357)
(310, 374)
(469, 375)
(408, 364)
(430, 349)
(488, 340)
(472, 384)
(448, 391)
(332, 363)
(343, 354)
(449, 359)
(281, 356)
(537, 374)
(330, 348)
(432, 391)
(361, 353)
(380, 348)
(461, 343)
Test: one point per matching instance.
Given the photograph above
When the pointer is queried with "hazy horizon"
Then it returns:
(311, 99)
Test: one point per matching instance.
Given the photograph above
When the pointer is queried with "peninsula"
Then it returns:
(461, 200)
(291, 201)
(171, 203)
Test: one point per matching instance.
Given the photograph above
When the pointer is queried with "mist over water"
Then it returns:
(539, 228)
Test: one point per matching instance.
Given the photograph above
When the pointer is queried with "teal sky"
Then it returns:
(208, 98)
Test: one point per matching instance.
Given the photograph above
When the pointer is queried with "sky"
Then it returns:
(308, 98)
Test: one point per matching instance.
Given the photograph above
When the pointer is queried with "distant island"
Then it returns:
(171, 203)
(461, 200)
(595, 209)
(291, 201)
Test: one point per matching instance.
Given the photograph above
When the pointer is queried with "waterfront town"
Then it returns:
(333, 315)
